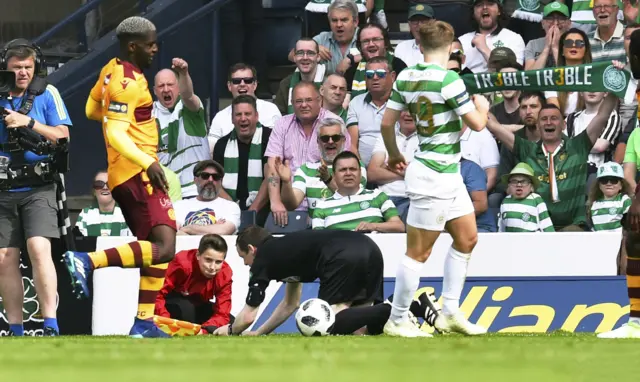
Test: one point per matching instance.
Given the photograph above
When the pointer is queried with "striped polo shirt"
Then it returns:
(346, 212)
(524, 215)
(613, 49)
(606, 215)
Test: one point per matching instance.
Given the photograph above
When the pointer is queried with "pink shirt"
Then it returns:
(288, 141)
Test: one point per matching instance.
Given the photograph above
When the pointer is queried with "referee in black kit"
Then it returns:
(348, 264)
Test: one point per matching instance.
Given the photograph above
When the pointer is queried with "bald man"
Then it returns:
(334, 92)
(180, 115)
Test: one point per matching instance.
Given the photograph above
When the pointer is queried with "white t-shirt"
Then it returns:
(572, 101)
(222, 123)
(507, 38)
(407, 146)
(409, 52)
(480, 147)
(193, 211)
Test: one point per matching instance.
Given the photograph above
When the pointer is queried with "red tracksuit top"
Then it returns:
(184, 277)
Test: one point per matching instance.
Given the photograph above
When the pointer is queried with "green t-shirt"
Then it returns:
(570, 166)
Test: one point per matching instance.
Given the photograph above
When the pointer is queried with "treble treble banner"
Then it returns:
(595, 77)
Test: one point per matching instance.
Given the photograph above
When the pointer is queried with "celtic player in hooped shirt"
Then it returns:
(437, 99)
(122, 102)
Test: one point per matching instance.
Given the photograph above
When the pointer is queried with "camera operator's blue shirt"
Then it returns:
(48, 108)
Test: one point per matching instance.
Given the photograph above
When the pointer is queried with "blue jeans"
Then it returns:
(402, 205)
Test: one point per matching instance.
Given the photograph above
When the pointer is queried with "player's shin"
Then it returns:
(455, 274)
(351, 319)
(137, 254)
(407, 282)
(633, 288)
(151, 281)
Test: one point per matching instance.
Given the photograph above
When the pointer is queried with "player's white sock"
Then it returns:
(407, 282)
(455, 273)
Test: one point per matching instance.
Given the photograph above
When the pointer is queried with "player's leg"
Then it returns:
(40, 224)
(632, 328)
(463, 230)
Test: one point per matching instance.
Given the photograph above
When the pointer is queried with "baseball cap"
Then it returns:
(611, 170)
(555, 7)
(502, 57)
(421, 10)
(198, 168)
(522, 169)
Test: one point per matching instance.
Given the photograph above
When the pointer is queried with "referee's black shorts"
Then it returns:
(351, 270)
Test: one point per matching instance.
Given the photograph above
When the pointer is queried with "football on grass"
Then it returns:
(315, 318)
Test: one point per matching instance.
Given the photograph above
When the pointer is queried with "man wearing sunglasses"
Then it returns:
(543, 52)
(366, 110)
(207, 213)
(314, 181)
(242, 80)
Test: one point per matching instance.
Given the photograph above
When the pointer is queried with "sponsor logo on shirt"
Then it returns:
(118, 107)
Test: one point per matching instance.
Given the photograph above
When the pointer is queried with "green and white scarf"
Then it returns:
(594, 77)
(296, 78)
(359, 85)
(254, 168)
(529, 10)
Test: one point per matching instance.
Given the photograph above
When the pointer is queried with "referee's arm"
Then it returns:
(284, 310)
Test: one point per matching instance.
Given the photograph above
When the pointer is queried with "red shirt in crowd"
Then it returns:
(184, 277)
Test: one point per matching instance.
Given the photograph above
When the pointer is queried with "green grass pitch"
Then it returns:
(541, 358)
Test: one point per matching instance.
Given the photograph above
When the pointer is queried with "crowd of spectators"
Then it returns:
(547, 161)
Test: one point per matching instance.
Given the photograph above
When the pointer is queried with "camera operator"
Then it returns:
(28, 207)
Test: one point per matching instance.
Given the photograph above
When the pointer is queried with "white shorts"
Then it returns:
(431, 212)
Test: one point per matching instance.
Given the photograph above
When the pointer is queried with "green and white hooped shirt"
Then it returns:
(93, 222)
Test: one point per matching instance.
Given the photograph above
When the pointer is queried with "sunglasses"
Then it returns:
(334, 138)
(608, 180)
(99, 184)
(246, 80)
(380, 72)
(206, 175)
(569, 43)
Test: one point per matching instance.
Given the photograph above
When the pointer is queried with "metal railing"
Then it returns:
(210, 9)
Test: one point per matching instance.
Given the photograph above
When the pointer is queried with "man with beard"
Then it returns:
(307, 58)
(334, 92)
(489, 34)
(352, 207)
(242, 80)
(241, 153)
(183, 130)
(314, 181)
(373, 41)
(207, 213)
(559, 161)
(366, 110)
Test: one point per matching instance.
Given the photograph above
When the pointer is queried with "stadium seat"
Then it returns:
(247, 218)
(298, 221)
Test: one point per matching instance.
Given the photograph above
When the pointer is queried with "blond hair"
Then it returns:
(436, 35)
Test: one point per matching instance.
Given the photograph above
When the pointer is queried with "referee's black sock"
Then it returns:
(351, 319)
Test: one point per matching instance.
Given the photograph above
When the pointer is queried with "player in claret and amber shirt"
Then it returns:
(122, 101)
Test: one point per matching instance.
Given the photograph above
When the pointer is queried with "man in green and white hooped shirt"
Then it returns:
(180, 117)
(352, 207)
(437, 99)
(523, 210)
(313, 181)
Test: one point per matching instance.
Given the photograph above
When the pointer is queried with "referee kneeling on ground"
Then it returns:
(348, 264)
(33, 113)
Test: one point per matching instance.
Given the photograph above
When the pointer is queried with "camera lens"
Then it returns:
(7, 81)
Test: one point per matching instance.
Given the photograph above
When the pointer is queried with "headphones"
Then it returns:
(22, 43)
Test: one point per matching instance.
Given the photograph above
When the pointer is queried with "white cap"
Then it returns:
(610, 169)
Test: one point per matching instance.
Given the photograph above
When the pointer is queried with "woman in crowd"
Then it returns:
(575, 51)
(103, 217)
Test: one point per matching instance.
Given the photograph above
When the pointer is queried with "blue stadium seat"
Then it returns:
(247, 218)
(298, 221)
